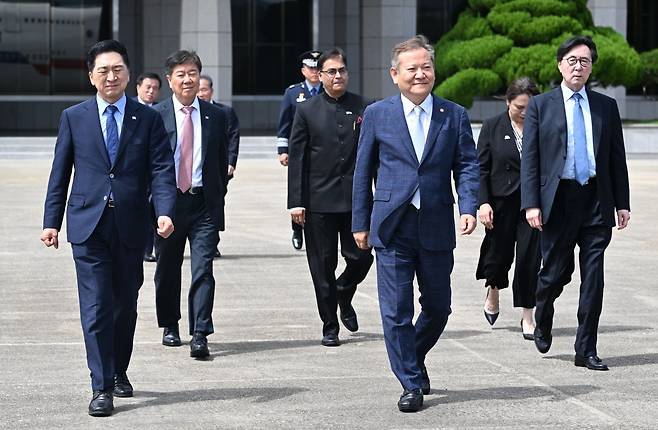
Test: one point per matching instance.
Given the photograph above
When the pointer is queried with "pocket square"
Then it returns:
(507, 137)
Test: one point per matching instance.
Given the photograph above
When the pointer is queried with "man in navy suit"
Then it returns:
(410, 144)
(573, 177)
(197, 135)
(117, 148)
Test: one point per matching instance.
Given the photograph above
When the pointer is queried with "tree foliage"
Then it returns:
(513, 38)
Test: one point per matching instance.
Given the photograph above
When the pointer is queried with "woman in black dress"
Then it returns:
(499, 152)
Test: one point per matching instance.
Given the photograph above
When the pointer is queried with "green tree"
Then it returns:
(513, 38)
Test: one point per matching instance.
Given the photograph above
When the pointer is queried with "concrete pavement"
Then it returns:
(268, 369)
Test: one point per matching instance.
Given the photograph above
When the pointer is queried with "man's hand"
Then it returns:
(283, 159)
(298, 216)
(623, 216)
(49, 237)
(467, 224)
(361, 239)
(165, 226)
(486, 215)
(533, 216)
(231, 169)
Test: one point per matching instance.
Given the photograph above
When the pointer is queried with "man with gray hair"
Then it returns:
(412, 143)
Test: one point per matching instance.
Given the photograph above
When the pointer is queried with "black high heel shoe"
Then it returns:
(491, 318)
(527, 336)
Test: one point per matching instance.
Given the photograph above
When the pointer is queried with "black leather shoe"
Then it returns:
(170, 336)
(199, 346)
(297, 240)
(411, 400)
(101, 404)
(330, 339)
(217, 253)
(149, 258)
(593, 362)
(543, 340)
(122, 386)
(348, 316)
(490, 317)
(526, 336)
(425, 383)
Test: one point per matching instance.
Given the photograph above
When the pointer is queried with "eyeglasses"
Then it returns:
(584, 61)
(332, 72)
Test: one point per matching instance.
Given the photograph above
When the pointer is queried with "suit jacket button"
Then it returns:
(111, 175)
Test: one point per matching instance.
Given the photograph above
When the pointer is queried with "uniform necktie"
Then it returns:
(186, 151)
(313, 91)
(417, 133)
(581, 161)
(112, 132)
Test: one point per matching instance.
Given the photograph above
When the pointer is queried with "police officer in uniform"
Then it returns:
(323, 145)
(297, 93)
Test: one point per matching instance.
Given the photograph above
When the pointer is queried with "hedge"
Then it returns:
(463, 86)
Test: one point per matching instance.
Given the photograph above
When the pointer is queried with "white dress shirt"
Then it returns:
(197, 157)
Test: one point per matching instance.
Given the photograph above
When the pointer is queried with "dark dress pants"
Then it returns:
(407, 344)
(322, 231)
(575, 220)
(192, 223)
(109, 277)
(497, 251)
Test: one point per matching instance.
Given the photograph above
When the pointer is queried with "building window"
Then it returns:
(435, 18)
(643, 35)
(43, 44)
(268, 35)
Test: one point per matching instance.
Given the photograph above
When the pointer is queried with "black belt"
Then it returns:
(192, 191)
(590, 181)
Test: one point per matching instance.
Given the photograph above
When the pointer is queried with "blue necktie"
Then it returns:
(313, 91)
(581, 160)
(112, 131)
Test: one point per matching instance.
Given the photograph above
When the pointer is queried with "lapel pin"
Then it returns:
(507, 137)
(134, 117)
(207, 117)
(349, 112)
(441, 110)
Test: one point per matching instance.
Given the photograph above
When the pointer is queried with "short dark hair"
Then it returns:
(523, 85)
(207, 78)
(574, 41)
(104, 46)
(149, 75)
(334, 52)
(182, 56)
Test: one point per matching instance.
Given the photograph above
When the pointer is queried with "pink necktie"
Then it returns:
(186, 151)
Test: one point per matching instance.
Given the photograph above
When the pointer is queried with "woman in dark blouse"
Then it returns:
(500, 148)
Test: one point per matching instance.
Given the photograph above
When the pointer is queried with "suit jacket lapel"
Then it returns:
(597, 121)
(508, 146)
(438, 118)
(561, 117)
(129, 125)
(97, 133)
(403, 129)
(205, 118)
(169, 119)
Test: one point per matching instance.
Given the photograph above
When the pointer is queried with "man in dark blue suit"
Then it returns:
(117, 148)
(573, 178)
(410, 144)
(197, 135)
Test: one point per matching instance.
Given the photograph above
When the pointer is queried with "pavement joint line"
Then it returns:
(608, 419)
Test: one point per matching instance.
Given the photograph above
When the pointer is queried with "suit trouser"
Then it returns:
(575, 220)
(194, 223)
(109, 277)
(408, 344)
(322, 231)
(497, 251)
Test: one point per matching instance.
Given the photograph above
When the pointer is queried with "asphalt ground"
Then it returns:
(267, 368)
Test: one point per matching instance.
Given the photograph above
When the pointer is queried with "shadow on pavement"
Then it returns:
(618, 361)
(571, 331)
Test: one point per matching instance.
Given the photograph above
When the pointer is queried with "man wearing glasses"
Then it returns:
(322, 155)
(573, 179)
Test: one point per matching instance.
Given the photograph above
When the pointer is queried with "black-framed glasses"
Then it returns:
(332, 72)
(584, 61)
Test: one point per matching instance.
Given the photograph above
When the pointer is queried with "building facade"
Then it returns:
(248, 47)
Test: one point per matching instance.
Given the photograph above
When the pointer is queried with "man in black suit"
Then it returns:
(197, 133)
(322, 154)
(148, 90)
(117, 150)
(573, 177)
(232, 128)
